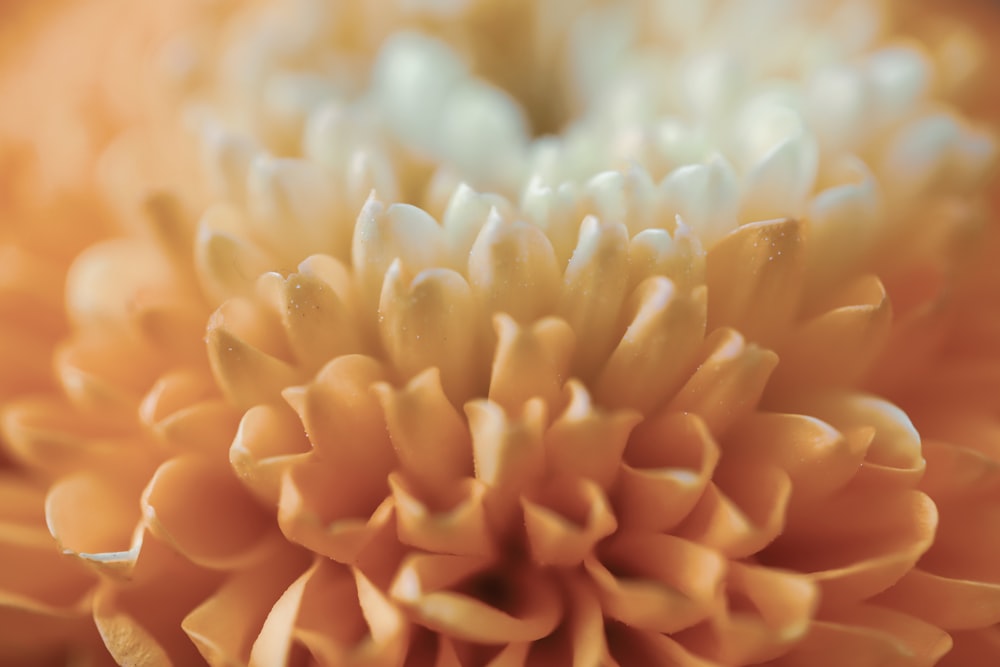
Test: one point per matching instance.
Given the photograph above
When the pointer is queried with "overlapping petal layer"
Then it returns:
(647, 344)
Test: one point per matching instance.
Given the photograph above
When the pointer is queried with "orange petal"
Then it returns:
(586, 625)
(224, 626)
(955, 472)
(247, 375)
(894, 454)
(335, 614)
(948, 603)
(201, 510)
(35, 576)
(136, 632)
(976, 648)
(508, 450)
(836, 347)
(343, 418)
(634, 646)
(588, 441)
(818, 459)
(868, 636)
(530, 361)
(660, 483)
(429, 435)
(659, 348)
(460, 527)
(742, 512)
(859, 542)
(530, 605)
(754, 278)
(113, 507)
(657, 583)
(564, 521)
(728, 383)
(768, 611)
(323, 509)
(593, 290)
(268, 441)
(45, 433)
(680, 258)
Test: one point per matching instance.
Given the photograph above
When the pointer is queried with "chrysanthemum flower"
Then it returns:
(648, 341)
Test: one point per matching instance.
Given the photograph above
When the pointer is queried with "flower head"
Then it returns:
(584, 354)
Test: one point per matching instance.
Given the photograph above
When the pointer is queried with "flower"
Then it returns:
(616, 350)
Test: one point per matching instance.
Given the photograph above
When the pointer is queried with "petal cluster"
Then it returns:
(650, 342)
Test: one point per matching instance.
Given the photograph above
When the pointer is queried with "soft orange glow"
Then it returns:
(343, 335)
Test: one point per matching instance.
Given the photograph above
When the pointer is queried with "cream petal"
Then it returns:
(916, 155)
(483, 132)
(382, 235)
(843, 219)
(704, 196)
(226, 159)
(899, 76)
(680, 257)
(627, 197)
(557, 210)
(412, 77)
(318, 313)
(512, 269)
(466, 213)
(291, 207)
(424, 323)
(227, 263)
(780, 183)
